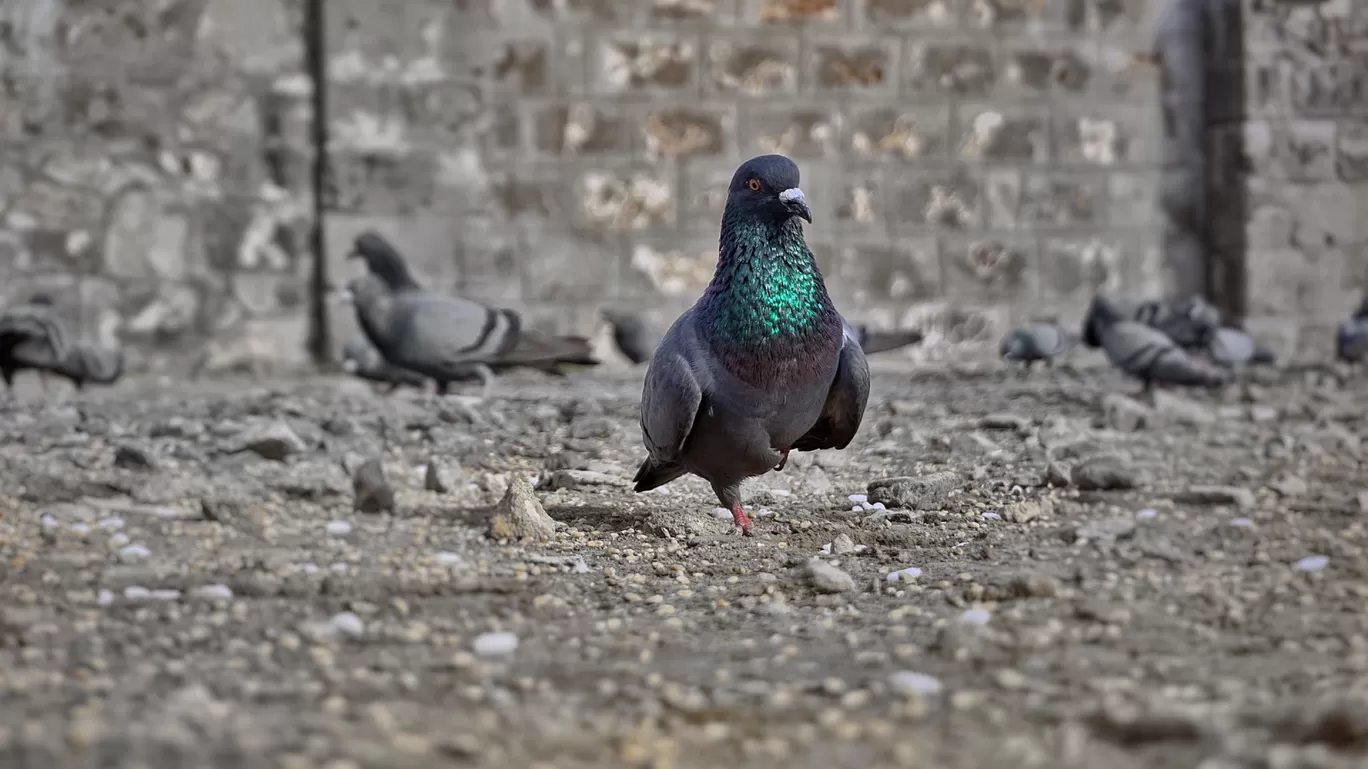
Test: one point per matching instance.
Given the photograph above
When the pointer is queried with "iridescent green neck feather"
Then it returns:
(767, 286)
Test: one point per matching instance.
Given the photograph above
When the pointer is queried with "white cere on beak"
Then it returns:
(350, 366)
(792, 195)
(345, 296)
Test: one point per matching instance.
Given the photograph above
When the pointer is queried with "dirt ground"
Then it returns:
(1101, 583)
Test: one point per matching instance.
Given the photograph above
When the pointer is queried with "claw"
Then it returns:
(783, 460)
(742, 521)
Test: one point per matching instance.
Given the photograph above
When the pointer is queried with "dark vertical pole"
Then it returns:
(320, 337)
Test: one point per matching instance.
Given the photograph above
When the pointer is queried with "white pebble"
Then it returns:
(904, 575)
(856, 509)
(135, 592)
(308, 568)
(579, 566)
(338, 567)
(858, 499)
(908, 682)
(991, 517)
(722, 512)
(878, 506)
(495, 644)
(865, 506)
(104, 597)
(213, 592)
(861, 548)
(134, 552)
(338, 528)
(826, 549)
(1147, 513)
(347, 624)
(1243, 523)
(1312, 563)
(446, 558)
(110, 523)
(764, 512)
(780, 492)
(420, 471)
(165, 595)
(80, 528)
(119, 539)
(48, 521)
(975, 616)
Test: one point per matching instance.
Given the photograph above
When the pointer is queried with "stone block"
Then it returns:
(808, 13)
(1305, 150)
(1265, 84)
(487, 254)
(936, 199)
(703, 193)
(951, 68)
(906, 134)
(1002, 189)
(904, 272)
(526, 67)
(1328, 88)
(688, 131)
(582, 11)
(1010, 15)
(1003, 134)
(1131, 199)
(753, 64)
(1107, 135)
(920, 15)
(989, 268)
(425, 240)
(380, 182)
(1313, 283)
(1073, 269)
(1351, 161)
(699, 12)
(625, 199)
(650, 63)
(536, 193)
(859, 200)
(673, 268)
(1114, 16)
(1063, 199)
(1121, 72)
(367, 38)
(849, 63)
(558, 266)
(581, 128)
(800, 131)
(1029, 71)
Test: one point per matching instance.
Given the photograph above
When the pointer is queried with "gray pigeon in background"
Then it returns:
(1190, 322)
(362, 360)
(632, 334)
(1232, 348)
(448, 338)
(873, 341)
(762, 364)
(31, 337)
(86, 362)
(1351, 338)
(1038, 341)
(1145, 352)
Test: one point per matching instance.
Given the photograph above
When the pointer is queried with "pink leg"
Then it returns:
(742, 521)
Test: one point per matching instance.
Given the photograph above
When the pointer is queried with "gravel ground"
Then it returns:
(1025, 572)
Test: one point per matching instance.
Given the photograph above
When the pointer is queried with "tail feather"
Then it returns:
(41, 335)
(537, 350)
(87, 362)
(1173, 366)
(650, 475)
(883, 341)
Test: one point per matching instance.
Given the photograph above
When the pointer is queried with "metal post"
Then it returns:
(316, 60)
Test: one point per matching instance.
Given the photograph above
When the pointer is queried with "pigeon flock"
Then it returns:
(33, 337)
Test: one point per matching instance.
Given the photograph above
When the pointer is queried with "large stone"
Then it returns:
(519, 515)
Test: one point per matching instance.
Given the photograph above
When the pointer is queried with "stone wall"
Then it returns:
(968, 161)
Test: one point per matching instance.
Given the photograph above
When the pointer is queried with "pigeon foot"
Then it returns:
(742, 521)
(783, 460)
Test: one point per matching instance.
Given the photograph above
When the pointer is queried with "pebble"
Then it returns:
(371, 490)
(909, 682)
(976, 616)
(904, 575)
(110, 523)
(919, 492)
(842, 545)
(446, 558)
(104, 597)
(215, 591)
(1147, 513)
(1243, 523)
(347, 624)
(858, 499)
(165, 594)
(47, 521)
(134, 552)
(119, 539)
(338, 528)
(436, 478)
(1312, 563)
(1125, 414)
(275, 441)
(497, 644)
(136, 593)
(827, 578)
(519, 515)
(129, 457)
(1104, 473)
(1216, 495)
(723, 513)
(990, 516)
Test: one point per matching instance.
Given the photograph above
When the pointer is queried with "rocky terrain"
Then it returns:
(1009, 571)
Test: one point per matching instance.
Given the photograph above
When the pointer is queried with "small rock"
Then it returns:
(1104, 473)
(1147, 514)
(1058, 474)
(1180, 410)
(908, 682)
(372, 492)
(1242, 499)
(347, 624)
(338, 528)
(1033, 584)
(134, 552)
(1027, 510)
(925, 492)
(1312, 563)
(215, 592)
(275, 441)
(447, 558)
(519, 515)
(1290, 486)
(1005, 421)
(1263, 413)
(1242, 523)
(437, 478)
(827, 578)
(1125, 414)
(975, 616)
(1106, 530)
(842, 544)
(499, 644)
(904, 575)
(130, 457)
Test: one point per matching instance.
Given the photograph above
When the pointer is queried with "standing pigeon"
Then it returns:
(874, 341)
(633, 334)
(86, 362)
(31, 336)
(1231, 348)
(762, 364)
(448, 338)
(1190, 322)
(1145, 352)
(1351, 338)
(1038, 341)
(362, 360)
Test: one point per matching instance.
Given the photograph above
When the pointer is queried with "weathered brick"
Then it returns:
(652, 63)
(1105, 136)
(1061, 200)
(1019, 135)
(674, 268)
(630, 199)
(854, 64)
(902, 134)
(524, 67)
(1116, 15)
(582, 10)
(806, 12)
(1331, 87)
(990, 268)
(488, 258)
(1352, 158)
(754, 65)
(800, 131)
(528, 194)
(1011, 14)
(579, 268)
(1072, 270)
(865, 273)
(1308, 282)
(1035, 70)
(956, 67)
(688, 131)
(1002, 197)
(945, 200)
(1306, 150)
(915, 14)
(704, 193)
(581, 128)
(380, 181)
(1131, 198)
(697, 11)
(859, 201)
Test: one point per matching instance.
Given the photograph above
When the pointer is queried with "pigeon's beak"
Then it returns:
(345, 296)
(354, 254)
(795, 203)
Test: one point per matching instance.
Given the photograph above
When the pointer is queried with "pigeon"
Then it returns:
(447, 338)
(762, 364)
(1038, 341)
(87, 362)
(1231, 347)
(1146, 353)
(31, 337)
(360, 359)
(873, 341)
(633, 334)
(1190, 322)
(1351, 338)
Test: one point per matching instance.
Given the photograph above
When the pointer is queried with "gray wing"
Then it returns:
(1231, 346)
(33, 336)
(670, 396)
(440, 332)
(845, 402)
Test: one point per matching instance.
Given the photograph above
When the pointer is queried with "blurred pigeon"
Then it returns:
(633, 334)
(362, 360)
(1231, 347)
(874, 341)
(762, 364)
(1038, 341)
(1190, 322)
(31, 336)
(1351, 338)
(448, 338)
(88, 362)
(1145, 352)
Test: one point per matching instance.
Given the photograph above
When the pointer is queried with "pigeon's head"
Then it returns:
(366, 290)
(766, 187)
(382, 259)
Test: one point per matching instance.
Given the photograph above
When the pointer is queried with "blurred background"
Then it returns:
(970, 163)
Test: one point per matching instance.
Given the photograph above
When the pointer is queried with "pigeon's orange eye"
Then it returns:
(754, 185)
